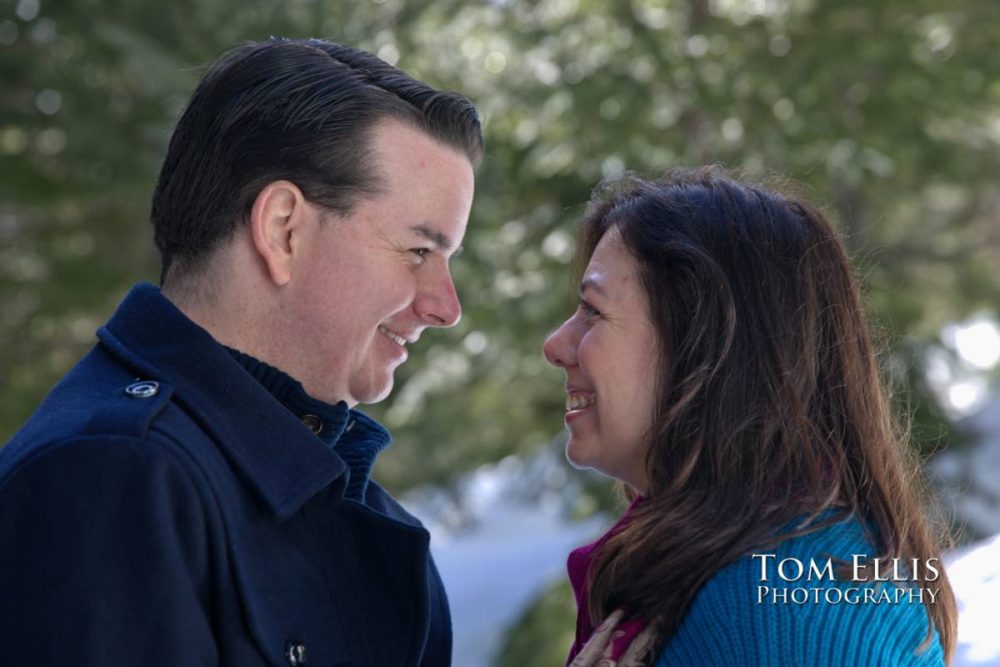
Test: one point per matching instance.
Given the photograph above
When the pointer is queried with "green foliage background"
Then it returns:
(885, 111)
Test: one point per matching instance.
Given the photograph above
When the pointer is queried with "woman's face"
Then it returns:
(610, 353)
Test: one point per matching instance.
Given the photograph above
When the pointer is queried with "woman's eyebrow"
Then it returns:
(590, 283)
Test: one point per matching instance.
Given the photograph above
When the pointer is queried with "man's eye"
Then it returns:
(421, 253)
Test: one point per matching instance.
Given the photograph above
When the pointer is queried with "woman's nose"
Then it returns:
(559, 348)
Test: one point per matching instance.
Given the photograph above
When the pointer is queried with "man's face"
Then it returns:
(368, 284)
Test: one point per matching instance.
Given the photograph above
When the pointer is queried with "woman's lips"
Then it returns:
(578, 403)
(579, 400)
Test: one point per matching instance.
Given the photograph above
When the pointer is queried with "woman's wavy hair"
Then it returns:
(770, 404)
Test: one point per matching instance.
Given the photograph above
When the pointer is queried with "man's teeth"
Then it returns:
(391, 336)
(578, 401)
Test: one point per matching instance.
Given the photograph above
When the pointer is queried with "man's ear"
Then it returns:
(278, 214)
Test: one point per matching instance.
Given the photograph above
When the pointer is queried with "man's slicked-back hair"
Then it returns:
(296, 110)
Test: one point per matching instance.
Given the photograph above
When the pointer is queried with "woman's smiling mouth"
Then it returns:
(579, 400)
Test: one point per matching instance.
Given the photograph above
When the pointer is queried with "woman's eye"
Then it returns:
(588, 310)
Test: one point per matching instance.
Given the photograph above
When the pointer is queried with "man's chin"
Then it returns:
(374, 393)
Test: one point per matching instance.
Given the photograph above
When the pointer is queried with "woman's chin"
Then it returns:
(579, 455)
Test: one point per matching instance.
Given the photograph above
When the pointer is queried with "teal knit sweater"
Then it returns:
(728, 627)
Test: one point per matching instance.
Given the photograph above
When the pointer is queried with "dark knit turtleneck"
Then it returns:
(354, 436)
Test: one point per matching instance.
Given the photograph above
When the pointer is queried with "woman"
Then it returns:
(720, 367)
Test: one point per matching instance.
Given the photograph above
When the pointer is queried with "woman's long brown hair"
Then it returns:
(770, 404)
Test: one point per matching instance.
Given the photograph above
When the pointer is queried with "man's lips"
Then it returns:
(400, 338)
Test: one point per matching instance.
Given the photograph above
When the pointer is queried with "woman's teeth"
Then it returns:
(578, 401)
(391, 336)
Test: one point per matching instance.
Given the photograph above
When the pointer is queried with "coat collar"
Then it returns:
(355, 437)
(281, 459)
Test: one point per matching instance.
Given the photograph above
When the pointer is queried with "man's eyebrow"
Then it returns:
(590, 283)
(439, 239)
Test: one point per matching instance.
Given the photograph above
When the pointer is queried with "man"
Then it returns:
(196, 491)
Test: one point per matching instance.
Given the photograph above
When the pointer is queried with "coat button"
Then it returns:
(296, 653)
(143, 389)
(313, 423)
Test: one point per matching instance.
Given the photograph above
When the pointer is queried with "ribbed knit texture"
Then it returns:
(357, 438)
(726, 626)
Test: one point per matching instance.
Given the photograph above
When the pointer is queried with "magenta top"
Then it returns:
(578, 565)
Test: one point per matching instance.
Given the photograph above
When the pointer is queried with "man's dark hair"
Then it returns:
(296, 110)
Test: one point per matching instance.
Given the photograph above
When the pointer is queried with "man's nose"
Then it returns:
(438, 304)
(560, 348)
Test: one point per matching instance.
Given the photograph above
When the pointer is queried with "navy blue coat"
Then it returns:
(198, 522)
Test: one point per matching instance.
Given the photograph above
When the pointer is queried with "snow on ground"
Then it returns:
(498, 544)
(493, 575)
(975, 576)
(969, 481)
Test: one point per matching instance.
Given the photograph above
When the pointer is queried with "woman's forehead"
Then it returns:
(612, 271)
